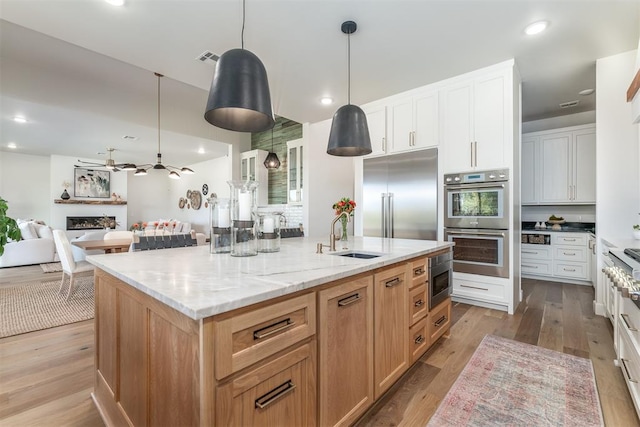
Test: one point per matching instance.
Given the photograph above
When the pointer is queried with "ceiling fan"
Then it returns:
(109, 164)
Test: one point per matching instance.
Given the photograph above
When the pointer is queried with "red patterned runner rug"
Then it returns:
(508, 383)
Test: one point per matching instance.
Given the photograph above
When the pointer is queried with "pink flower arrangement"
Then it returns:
(344, 205)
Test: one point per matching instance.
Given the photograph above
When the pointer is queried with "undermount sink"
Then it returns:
(360, 255)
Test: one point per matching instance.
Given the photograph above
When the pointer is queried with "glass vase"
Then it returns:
(243, 214)
(344, 237)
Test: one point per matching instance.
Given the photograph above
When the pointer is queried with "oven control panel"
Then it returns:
(479, 176)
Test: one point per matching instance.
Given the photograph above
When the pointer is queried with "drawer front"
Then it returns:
(535, 252)
(570, 253)
(283, 390)
(418, 273)
(571, 270)
(439, 320)
(536, 267)
(571, 239)
(630, 366)
(247, 338)
(418, 304)
(485, 291)
(629, 321)
(419, 340)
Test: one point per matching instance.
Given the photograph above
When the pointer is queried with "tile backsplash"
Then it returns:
(293, 213)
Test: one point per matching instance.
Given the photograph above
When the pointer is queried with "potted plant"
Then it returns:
(8, 226)
(636, 231)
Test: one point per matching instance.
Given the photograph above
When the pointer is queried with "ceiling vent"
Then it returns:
(208, 57)
(569, 104)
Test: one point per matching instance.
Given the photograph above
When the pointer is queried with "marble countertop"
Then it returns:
(199, 284)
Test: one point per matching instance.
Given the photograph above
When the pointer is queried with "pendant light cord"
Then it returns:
(242, 34)
(158, 111)
(349, 68)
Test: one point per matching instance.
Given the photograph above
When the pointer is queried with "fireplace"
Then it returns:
(88, 222)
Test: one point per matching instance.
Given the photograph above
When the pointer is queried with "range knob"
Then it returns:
(448, 179)
(492, 176)
(456, 179)
(502, 175)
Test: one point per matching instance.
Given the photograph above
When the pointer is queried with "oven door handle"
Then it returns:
(477, 233)
(475, 185)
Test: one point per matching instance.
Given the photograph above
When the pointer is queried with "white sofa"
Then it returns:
(36, 246)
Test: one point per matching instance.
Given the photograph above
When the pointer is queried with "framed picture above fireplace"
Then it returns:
(91, 183)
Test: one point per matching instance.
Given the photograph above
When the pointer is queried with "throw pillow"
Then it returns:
(43, 231)
(27, 230)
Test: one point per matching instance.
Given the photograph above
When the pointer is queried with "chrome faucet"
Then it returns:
(332, 235)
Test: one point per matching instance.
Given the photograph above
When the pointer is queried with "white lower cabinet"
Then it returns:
(567, 257)
(628, 345)
(480, 289)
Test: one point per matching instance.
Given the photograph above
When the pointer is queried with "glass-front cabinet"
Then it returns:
(294, 171)
(253, 169)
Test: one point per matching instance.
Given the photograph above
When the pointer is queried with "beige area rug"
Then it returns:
(34, 306)
(508, 383)
(51, 267)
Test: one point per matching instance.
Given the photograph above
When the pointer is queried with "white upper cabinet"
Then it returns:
(562, 167)
(377, 122)
(476, 123)
(252, 169)
(404, 123)
(294, 171)
(413, 122)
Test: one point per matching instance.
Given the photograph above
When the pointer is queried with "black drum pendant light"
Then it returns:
(239, 97)
(349, 134)
(272, 161)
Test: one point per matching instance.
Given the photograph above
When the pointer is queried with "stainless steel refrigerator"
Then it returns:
(400, 195)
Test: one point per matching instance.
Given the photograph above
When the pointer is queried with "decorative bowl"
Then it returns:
(556, 221)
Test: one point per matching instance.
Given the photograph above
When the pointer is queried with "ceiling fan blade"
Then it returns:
(91, 163)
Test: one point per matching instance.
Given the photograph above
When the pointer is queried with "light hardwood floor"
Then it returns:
(46, 376)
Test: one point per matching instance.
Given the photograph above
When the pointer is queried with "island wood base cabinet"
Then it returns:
(321, 356)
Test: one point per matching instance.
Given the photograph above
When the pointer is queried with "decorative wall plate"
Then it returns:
(205, 189)
(182, 202)
(196, 199)
(188, 194)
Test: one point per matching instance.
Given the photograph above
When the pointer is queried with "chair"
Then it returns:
(70, 267)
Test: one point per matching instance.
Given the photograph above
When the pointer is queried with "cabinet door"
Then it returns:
(488, 120)
(401, 125)
(554, 167)
(584, 167)
(425, 121)
(294, 170)
(377, 122)
(391, 349)
(345, 351)
(457, 129)
(528, 171)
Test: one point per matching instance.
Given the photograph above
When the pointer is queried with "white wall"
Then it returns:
(329, 179)
(617, 192)
(25, 184)
(584, 118)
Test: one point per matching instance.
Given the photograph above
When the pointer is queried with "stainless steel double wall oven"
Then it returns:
(476, 219)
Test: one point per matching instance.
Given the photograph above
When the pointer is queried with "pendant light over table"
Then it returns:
(349, 134)
(272, 161)
(239, 98)
(173, 171)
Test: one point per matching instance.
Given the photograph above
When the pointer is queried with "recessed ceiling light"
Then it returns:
(586, 92)
(326, 100)
(12, 145)
(200, 150)
(115, 2)
(536, 27)
(19, 119)
(130, 137)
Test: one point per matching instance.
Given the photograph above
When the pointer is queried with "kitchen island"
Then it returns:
(185, 337)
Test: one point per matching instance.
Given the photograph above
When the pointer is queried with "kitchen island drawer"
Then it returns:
(418, 274)
(571, 270)
(439, 320)
(249, 337)
(573, 239)
(535, 252)
(418, 304)
(419, 340)
(536, 267)
(570, 253)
